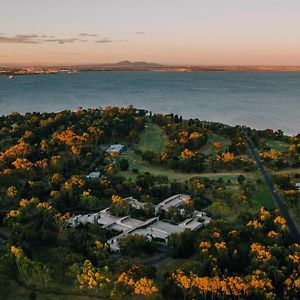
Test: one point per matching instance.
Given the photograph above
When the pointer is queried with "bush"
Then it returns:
(124, 165)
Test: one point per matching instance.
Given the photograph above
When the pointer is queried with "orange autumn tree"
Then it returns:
(132, 283)
(227, 157)
(217, 145)
(270, 155)
(262, 250)
(187, 154)
(93, 278)
(74, 141)
(231, 286)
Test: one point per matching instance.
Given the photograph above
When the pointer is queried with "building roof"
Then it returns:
(93, 175)
(135, 203)
(115, 148)
(175, 201)
(152, 228)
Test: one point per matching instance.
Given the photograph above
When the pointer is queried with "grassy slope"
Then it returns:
(152, 139)
(209, 149)
(13, 290)
(278, 145)
(263, 197)
(135, 162)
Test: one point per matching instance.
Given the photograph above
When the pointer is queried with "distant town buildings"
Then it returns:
(152, 228)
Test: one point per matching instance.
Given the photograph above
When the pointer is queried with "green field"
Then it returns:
(262, 197)
(14, 290)
(136, 162)
(213, 138)
(278, 145)
(152, 139)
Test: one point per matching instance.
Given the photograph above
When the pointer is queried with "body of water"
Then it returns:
(257, 99)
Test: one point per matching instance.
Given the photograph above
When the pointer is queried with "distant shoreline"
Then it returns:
(38, 70)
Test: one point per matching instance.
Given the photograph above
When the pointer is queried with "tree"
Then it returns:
(124, 165)
(183, 244)
(241, 179)
(134, 244)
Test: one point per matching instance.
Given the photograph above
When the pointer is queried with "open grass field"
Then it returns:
(290, 171)
(152, 139)
(13, 290)
(278, 145)
(135, 162)
(262, 197)
(209, 149)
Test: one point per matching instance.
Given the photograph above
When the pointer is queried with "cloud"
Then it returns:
(63, 52)
(37, 39)
(64, 41)
(21, 39)
(88, 34)
(103, 41)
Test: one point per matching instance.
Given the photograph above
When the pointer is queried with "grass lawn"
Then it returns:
(278, 145)
(290, 171)
(135, 162)
(13, 290)
(208, 149)
(152, 139)
(262, 197)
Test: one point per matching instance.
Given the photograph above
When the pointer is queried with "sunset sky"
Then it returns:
(199, 32)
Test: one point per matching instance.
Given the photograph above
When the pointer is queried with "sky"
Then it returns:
(172, 32)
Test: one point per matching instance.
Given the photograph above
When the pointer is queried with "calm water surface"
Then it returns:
(259, 100)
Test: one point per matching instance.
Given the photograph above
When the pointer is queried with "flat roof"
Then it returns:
(151, 227)
(94, 175)
(166, 227)
(106, 218)
(115, 148)
(175, 200)
(118, 227)
(192, 224)
(132, 223)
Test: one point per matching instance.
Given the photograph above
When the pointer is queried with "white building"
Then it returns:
(116, 148)
(94, 175)
(173, 201)
(135, 203)
(152, 228)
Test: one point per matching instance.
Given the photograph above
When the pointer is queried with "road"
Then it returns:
(158, 259)
(283, 209)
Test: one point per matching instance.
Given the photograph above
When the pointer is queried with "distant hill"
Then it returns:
(125, 64)
(140, 64)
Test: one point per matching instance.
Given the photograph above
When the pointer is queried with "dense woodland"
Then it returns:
(246, 252)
